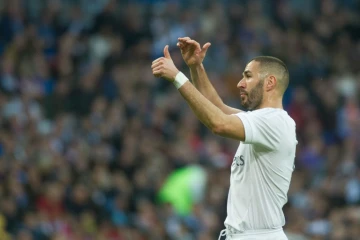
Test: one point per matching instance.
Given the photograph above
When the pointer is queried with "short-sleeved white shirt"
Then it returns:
(261, 170)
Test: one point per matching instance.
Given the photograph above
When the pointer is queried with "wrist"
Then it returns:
(180, 79)
(196, 66)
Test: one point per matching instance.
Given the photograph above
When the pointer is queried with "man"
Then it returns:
(263, 163)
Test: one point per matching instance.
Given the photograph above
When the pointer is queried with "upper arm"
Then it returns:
(262, 129)
(229, 110)
(251, 128)
(231, 127)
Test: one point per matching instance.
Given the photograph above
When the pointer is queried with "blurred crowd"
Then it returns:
(88, 136)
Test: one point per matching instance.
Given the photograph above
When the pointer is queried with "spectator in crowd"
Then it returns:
(87, 140)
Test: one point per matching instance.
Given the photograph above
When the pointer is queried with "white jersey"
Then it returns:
(261, 170)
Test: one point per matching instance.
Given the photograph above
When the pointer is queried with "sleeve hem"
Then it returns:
(247, 127)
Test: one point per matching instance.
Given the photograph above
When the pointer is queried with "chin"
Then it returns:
(245, 106)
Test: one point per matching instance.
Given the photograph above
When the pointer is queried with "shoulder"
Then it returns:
(275, 114)
(267, 126)
(270, 119)
(268, 112)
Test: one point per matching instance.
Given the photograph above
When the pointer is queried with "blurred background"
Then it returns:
(93, 147)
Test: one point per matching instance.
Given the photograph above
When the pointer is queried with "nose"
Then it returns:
(241, 84)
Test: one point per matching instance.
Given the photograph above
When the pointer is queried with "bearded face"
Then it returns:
(252, 98)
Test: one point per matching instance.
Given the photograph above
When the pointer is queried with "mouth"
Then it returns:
(243, 94)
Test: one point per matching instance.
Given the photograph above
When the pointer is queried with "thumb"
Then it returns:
(205, 47)
(166, 52)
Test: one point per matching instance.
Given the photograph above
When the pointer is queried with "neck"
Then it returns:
(271, 102)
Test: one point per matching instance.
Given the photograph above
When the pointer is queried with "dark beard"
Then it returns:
(254, 97)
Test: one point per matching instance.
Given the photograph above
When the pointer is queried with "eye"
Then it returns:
(247, 74)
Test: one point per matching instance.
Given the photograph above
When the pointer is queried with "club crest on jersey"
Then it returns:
(239, 160)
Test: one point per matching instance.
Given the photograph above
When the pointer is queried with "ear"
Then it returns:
(271, 83)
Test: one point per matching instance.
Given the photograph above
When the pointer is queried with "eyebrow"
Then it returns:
(247, 72)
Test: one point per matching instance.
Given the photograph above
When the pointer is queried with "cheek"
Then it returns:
(251, 83)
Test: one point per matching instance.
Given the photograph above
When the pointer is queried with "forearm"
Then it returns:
(209, 114)
(204, 86)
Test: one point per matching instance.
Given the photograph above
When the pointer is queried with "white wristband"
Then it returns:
(180, 79)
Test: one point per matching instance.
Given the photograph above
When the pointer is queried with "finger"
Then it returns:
(194, 43)
(184, 38)
(157, 60)
(166, 52)
(158, 68)
(156, 64)
(157, 73)
(180, 45)
(205, 47)
(184, 45)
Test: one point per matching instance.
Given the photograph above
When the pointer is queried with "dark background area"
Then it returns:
(88, 136)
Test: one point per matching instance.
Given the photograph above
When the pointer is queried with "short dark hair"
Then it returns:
(275, 66)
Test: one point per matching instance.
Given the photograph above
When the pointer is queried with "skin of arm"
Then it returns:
(193, 56)
(203, 84)
(209, 114)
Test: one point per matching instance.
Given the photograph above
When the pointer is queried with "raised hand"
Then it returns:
(191, 51)
(164, 67)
